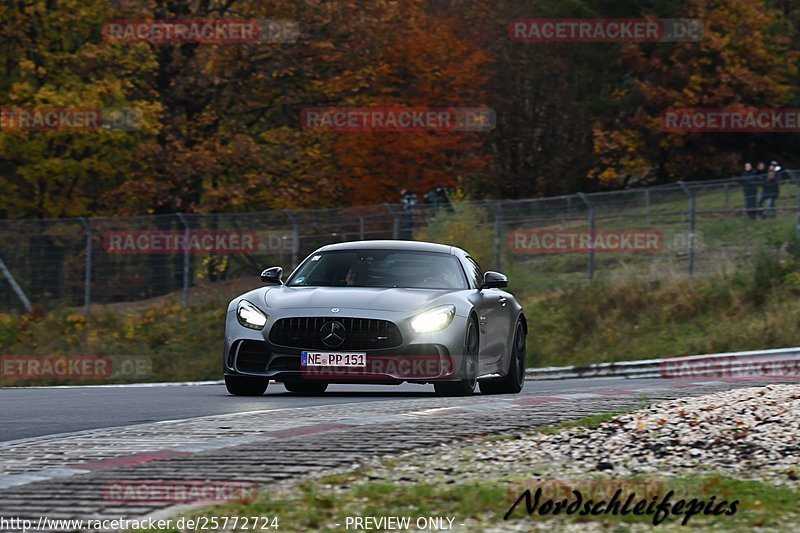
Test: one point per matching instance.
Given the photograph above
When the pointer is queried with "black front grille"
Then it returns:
(361, 333)
(253, 356)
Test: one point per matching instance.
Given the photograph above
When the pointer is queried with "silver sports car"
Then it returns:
(377, 312)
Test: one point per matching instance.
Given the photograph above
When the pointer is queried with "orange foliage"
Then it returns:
(421, 64)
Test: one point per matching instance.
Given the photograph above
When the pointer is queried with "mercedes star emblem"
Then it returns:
(333, 333)
(335, 310)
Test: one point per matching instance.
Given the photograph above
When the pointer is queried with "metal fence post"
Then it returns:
(793, 176)
(185, 259)
(592, 222)
(395, 221)
(361, 228)
(15, 287)
(727, 195)
(87, 281)
(295, 236)
(692, 211)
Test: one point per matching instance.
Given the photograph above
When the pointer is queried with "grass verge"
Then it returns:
(591, 421)
(325, 505)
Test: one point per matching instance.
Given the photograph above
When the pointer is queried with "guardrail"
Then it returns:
(759, 363)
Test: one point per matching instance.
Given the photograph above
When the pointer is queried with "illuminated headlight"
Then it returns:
(433, 320)
(250, 316)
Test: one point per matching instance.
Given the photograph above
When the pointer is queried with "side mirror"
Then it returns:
(494, 280)
(272, 275)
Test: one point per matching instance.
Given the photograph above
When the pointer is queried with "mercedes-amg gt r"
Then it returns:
(377, 312)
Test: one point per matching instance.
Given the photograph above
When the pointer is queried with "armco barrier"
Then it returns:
(760, 363)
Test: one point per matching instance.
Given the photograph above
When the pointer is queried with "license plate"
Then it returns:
(358, 359)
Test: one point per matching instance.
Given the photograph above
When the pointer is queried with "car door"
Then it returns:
(503, 316)
(492, 308)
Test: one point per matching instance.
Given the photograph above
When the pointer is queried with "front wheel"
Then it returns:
(246, 385)
(306, 387)
(469, 381)
(515, 378)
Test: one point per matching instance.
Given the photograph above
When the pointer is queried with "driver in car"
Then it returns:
(356, 275)
(445, 277)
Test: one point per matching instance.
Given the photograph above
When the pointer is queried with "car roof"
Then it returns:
(418, 246)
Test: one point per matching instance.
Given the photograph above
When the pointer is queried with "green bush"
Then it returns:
(468, 226)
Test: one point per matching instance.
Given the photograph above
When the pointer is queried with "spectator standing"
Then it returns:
(444, 198)
(439, 198)
(408, 199)
(770, 191)
(748, 182)
(761, 174)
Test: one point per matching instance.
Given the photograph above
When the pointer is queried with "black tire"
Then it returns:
(306, 387)
(246, 385)
(467, 385)
(514, 380)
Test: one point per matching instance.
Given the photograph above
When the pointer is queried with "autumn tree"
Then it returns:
(547, 95)
(53, 57)
(420, 63)
(744, 59)
(221, 127)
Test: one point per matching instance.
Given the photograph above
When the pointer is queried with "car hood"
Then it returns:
(378, 299)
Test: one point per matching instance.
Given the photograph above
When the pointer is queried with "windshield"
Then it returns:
(380, 268)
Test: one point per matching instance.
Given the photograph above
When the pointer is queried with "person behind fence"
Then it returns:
(748, 181)
(761, 174)
(439, 198)
(769, 191)
(444, 195)
(408, 201)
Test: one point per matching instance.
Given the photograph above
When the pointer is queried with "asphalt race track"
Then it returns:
(62, 448)
(35, 412)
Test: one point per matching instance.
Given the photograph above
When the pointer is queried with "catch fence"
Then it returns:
(692, 228)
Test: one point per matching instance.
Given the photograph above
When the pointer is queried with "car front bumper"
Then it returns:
(421, 358)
